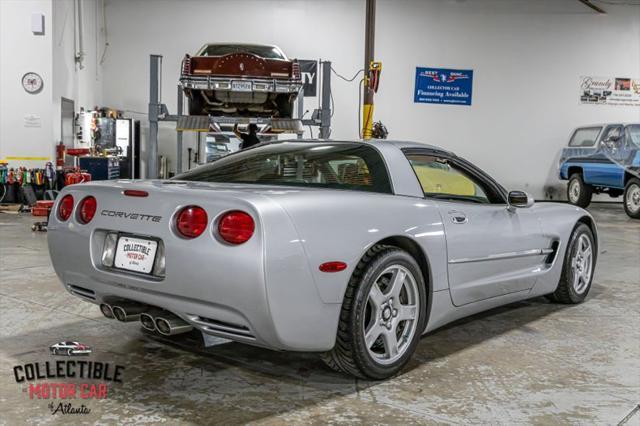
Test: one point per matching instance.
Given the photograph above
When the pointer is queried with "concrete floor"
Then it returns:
(527, 363)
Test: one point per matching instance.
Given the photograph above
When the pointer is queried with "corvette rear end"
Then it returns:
(183, 255)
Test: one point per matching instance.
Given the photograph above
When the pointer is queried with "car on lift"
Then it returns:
(603, 159)
(348, 248)
(240, 80)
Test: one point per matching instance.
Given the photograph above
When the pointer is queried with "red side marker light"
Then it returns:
(135, 193)
(333, 266)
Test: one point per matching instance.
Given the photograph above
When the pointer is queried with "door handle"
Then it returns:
(458, 218)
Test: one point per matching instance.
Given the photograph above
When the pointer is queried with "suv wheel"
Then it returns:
(383, 315)
(632, 198)
(578, 192)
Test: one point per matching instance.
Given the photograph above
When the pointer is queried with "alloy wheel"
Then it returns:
(581, 264)
(391, 314)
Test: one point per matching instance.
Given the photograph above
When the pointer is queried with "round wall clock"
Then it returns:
(32, 83)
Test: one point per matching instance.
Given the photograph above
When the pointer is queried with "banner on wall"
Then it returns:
(443, 86)
(309, 71)
(610, 91)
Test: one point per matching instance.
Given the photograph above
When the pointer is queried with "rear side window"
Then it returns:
(585, 137)
(339, 166)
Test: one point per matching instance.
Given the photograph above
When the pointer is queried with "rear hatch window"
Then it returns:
(339, 166)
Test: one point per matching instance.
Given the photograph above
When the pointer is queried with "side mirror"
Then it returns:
(519, 200)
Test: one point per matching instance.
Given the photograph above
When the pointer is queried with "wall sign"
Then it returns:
(309, 71)
(610, 91)
(443, 86)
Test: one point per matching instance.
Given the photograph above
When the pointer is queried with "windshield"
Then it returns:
(633, 133)
(340, 166)
(267, 52)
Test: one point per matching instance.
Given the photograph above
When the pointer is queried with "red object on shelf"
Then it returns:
(78, 151)
(76, 177)
(42, 208)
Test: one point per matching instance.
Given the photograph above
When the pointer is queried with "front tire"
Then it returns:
(632, 198)
(578, 267)
(578, 192)
(383, 315)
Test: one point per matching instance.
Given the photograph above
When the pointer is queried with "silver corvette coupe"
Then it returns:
(352, 249)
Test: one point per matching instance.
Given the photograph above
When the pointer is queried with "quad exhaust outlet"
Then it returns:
(151, 319)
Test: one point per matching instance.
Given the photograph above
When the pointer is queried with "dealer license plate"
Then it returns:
(135, 254)
(241, 86)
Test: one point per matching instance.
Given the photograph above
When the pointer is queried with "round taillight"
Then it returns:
(87, 209)
(65, 207)
(191, 221)
(236, 227)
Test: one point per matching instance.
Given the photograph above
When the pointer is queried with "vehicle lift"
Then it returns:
(212, 125)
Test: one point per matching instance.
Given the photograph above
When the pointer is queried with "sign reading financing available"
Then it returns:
(610, 91)
(443, 86)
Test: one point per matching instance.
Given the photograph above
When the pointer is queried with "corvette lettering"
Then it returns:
(132, 216)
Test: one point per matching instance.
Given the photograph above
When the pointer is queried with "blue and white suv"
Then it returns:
(603, 159)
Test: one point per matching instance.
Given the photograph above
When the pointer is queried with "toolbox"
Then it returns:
(42, 208)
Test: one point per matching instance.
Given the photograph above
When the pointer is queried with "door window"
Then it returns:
(585, 137)
(442, 179)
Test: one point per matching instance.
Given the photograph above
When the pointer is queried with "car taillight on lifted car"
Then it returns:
(191, 221)
(295, 70)
(87, 209)
(186, 65)
(65, 207)
(236, 227)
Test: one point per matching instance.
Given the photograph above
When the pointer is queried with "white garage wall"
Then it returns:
(526, 56)
(20, 52)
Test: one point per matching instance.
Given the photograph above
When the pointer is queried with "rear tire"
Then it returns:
(578, 267)
(380, 326)
(578, 192)
(632, 198)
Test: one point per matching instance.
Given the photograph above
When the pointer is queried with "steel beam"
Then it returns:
(369, 51)
(325, 101)
(154, 113)
(179, 133)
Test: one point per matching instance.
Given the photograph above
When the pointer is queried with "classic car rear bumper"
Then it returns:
(225, 84)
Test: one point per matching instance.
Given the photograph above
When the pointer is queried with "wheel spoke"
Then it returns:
(390, 343)
(576, 276)
(587, 252)
(376, 296)
(372, 334)
(407, 312)
(397, 281)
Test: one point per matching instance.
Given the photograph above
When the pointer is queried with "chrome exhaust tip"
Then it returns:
(170, 325)
(148, 322)
(128, 312)
(106, 310)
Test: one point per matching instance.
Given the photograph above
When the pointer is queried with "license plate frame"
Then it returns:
(241, 86)
(119, 263)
